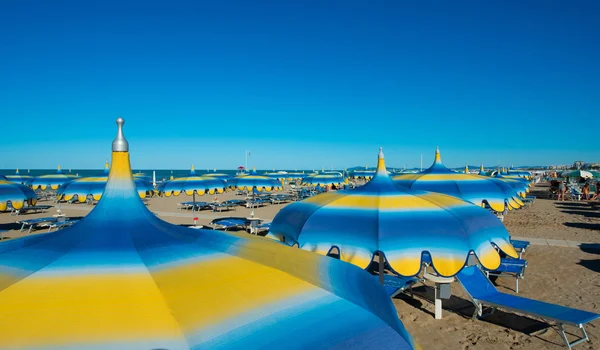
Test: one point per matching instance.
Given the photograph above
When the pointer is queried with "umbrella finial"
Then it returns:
(193, 170)
(438, 157)
(120, 144)
(481, 168)
(17, 171)
(58, 171)
(381, 162)
(467, 168)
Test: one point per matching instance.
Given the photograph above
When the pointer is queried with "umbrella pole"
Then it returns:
(380, 268)
(194, 207)
(252, 205)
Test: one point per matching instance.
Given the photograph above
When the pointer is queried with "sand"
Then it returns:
(563, 275)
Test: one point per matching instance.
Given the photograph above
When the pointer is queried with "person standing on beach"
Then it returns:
(562, 188)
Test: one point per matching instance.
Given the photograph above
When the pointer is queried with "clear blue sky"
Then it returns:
(301, 84)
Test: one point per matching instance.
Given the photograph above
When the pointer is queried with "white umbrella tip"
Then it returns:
(381, 152)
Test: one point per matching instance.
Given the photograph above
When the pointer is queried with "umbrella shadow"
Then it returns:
(591, 264)
(572, 205)
(592, 248)
(583, 225)
(585, 213)
(10, 226)
(465, 309)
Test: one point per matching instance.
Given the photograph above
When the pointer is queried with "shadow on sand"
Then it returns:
(583, 225)
(585, 213)
(465, 309)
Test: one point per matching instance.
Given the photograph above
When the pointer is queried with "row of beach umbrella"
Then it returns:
(123, 278)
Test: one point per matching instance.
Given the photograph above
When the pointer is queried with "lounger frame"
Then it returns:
(480, 312)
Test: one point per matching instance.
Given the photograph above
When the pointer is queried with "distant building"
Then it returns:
(591, 165)
(578, 164)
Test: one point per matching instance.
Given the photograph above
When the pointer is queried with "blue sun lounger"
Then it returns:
(228, 223)
(395, 285)
(510, 267)
(520, 246)
(34, 222)
(483, 293)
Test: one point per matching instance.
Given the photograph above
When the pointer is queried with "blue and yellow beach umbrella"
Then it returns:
(519, 173)
(220, 176)
(402, 224)
(255, 181)
(476, 189)
(192, 185)
(80, 189)
(519, 184)
(18, 178)
(52, 181)
(285, 176)
(17, 194)
(122, 278)
(363, 174)
(324, 179)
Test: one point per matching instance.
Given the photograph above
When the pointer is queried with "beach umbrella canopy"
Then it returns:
(402, 224)
(18, 178)
(255, 181)
(285, 176)
(83, 187)
(220, 176)
(363, 173)
(519, 173)
(192, 185)
(15, 193)
(519, 184)
(324, 179)
(52, 181)
(472, 188)
(577, 173)
(122, 278)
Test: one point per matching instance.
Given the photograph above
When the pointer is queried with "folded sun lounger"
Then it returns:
(483, 293)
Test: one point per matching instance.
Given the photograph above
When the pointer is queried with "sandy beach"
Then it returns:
(566, 275)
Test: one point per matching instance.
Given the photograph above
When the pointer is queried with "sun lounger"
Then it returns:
(35, 222)
(185, 205)
(483, 293)
(529, 200)
(509, 267)
(257, 202)
(229, 223)
(395, 285)
(37, 209)
(61, 224)
(520, 246)
(223, 206)
(256, 227)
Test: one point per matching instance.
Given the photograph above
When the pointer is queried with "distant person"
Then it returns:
(594, 197)
(562, 189)
(585, 191)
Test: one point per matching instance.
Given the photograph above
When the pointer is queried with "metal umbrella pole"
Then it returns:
(194, 207)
